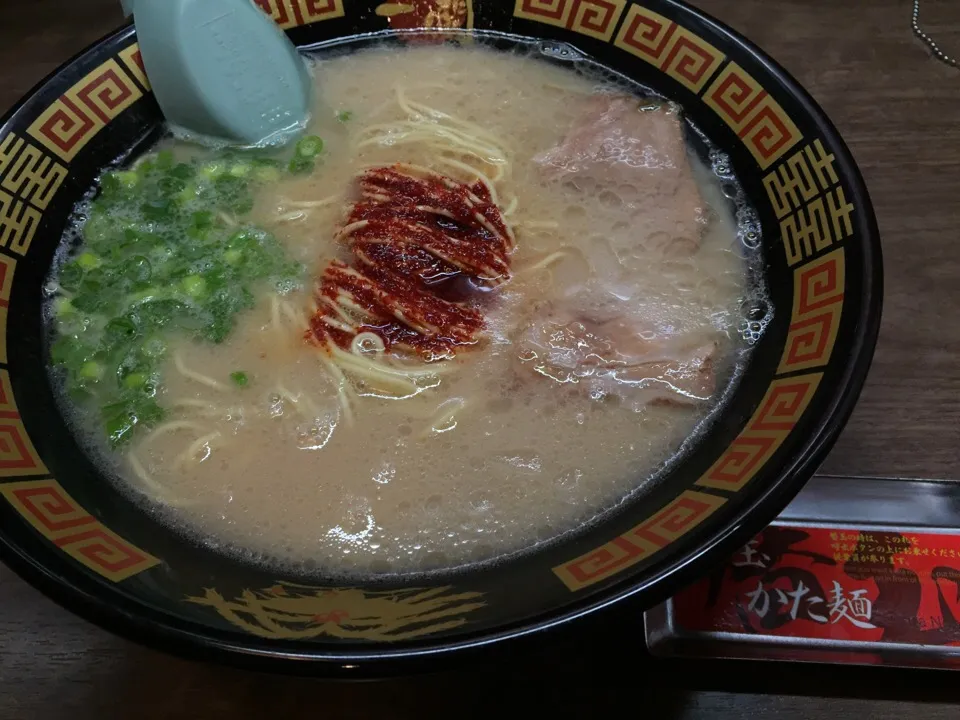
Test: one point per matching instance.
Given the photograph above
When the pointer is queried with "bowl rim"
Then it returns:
(134, 621)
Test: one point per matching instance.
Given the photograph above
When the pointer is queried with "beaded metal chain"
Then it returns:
(927, 40)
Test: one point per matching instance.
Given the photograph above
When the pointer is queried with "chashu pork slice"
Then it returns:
(636, 361)
(635, 149)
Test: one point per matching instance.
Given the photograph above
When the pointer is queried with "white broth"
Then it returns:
(512, 443)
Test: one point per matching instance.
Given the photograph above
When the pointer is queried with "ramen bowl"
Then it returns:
(68, 531)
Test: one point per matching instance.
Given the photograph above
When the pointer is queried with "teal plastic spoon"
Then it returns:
(222, 69)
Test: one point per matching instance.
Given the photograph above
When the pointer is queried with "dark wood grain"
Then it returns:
(900, 113)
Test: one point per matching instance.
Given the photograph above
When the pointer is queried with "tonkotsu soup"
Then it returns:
(495, 300)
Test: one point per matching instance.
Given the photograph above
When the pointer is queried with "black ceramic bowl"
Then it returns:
(68, 532)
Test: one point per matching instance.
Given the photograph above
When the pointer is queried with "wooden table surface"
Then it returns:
(899, 110)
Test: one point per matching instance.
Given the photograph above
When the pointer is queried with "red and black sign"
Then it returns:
(837, 584)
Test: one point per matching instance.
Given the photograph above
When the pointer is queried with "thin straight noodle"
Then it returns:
(405, 132)
(544, 263)
(472, 199)
(378, 110)
(374, 371)
(228, 220)
(367, 337)
(207, 409)
(402, 387)
(569, 89)
(487, 182)
(292, 216)
(539, 224)
(275, 322)
(347, 302)
(398, 129)
(501, 167)
(447, 411)
(197, 377)
(467, 137)
(313, 412)
(309, 204)
(455, 141)
(412, 107)
(351, 228)
(337, 325)
(172, 426)
(431, 370)
(437, 211)
(159, 491)
(297, 319)
(337, 308)
(343, 391)
(191, 452)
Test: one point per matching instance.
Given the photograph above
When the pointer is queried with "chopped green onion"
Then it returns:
(118, 182)
(91, 371)
(172, 185)
(119, 428)
(188, 193)
(154, 348)
(266, 175)
(71, 276)
(88, 261)
(309, 147)
(202, 220)
(301, 165)
(345, 116)
(128, 179)
(135, 381)
(184, 171)
(146, 166)
(63, 306)
(214, 169)
(194, 286)
(158, 259)
(159, 209)
(240, 169)
(233, 257)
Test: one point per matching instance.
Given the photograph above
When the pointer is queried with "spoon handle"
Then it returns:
(222, 69)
